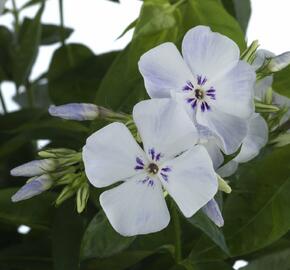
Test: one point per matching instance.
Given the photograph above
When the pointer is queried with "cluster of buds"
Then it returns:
(58, 167)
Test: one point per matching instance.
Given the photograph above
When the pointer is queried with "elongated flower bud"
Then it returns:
(32, 188)
(56, 152)
(212, 210)
(75, 111)
(35, 167)
(279, 62)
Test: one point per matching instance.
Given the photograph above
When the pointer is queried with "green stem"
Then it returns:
(62, 34)
(3, 102)
(177, 232)
(16, 17)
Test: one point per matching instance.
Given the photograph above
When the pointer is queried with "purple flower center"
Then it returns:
(200, 96)
(152, 168)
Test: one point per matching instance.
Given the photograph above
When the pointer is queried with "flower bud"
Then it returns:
(82, 197)
(279, 62)
(223, 185)
(55, 153)
(66, 193)
(75, 111)
(35, 167)
(32, 188)
(212, 210)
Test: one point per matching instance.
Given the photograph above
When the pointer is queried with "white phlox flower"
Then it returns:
(210, 81)
(256, 139)
(170, 161)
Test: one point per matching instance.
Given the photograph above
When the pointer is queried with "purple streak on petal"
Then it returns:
(211, 90)
(151, 183)
(189, 100)
(193, 105)
(164, 176)
(166, 169)
(139, 161)
(201, 80)
(138, 168)
(202, 107)
(158, 156)
(204, 81)
(210, 95)
(145, 180)
(207, 106)
(152, 153)
(188, 87)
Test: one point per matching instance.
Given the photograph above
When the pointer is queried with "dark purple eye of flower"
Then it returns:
(199, 94)
(152, 168)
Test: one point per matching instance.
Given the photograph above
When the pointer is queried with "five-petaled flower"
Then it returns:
(212, 84)
(170, 161)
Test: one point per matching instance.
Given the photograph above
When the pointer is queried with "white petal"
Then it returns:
(163, 70)
(214, 153)
(164, 126)
(191, 181)
(228, 169)
(209, 54)
(229, 129)
(212, 210)
(262, 86)
(235, 91)
(135, 207)
(256, 138)
(110, 155)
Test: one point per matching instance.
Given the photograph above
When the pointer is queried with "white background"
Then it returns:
(97, 24)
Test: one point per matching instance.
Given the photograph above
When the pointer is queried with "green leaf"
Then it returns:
(40, 96)
(75, 73)
(51, 34)
(277, 260)
(101, 240)
(256, 212)
(281, 83)
(119, 261)
(36, 212)
(26, 48)
(6, 39)
(159, 22)
(201, 221)
(241, 10)
(32, 254)
(67, 231)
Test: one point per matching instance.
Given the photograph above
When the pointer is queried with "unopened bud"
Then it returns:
(212, 210)
(82, 197)
(66, 193)
(32, 188)
(35, 167)
(249, 54)
(223, 185)
(75, 111)
(279, 62)
(265, 108)
(55, 153)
